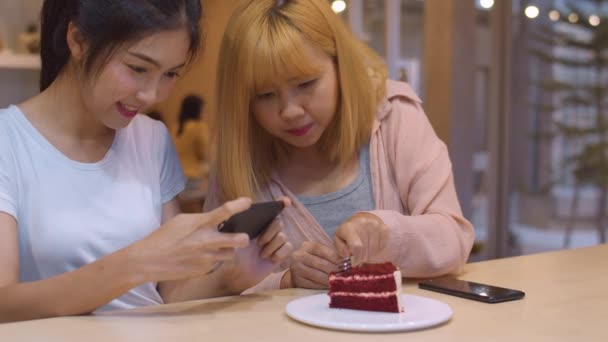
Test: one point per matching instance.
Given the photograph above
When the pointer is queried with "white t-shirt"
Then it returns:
(70, 213)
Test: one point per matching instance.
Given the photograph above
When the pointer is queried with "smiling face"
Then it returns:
(299, 105)
(136, 77)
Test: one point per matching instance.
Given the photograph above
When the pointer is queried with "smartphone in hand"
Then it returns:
(254, 220)
(471, 290)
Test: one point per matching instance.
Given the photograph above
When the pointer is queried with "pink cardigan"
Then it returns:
(413, 191)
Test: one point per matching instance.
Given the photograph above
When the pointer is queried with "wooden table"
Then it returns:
(566, 300)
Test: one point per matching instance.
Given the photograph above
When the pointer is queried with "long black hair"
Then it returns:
(106, 25)
(192, 106)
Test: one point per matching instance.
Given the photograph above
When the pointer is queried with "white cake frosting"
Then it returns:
(398, 281)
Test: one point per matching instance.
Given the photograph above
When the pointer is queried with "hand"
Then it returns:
(363, 237)
(311, 266)
(273, 243)
(189, 245)
(254, 263)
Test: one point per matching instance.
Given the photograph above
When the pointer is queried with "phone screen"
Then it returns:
(472, 290)
(254, 220)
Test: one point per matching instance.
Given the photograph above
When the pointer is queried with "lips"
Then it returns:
(126, 110)
(300, 131)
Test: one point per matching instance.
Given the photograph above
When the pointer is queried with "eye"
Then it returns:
(308, 83)
(138, 69)
(172, 74)
(265, 96)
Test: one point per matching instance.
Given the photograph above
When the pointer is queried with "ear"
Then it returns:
(76, 42)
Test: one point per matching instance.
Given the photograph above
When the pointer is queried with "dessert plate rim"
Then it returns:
(420, 313)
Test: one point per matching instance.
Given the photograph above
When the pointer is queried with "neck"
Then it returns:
(310, 162)
(308, 172)
(308, 157)
(60, 109)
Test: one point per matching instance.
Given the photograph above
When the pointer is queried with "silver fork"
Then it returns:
(345, 265)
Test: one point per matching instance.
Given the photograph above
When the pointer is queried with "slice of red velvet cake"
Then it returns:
(370, 287)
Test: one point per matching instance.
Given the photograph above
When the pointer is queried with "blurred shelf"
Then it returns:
(19, 61)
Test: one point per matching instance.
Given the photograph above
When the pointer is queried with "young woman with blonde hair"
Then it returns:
(306, 111)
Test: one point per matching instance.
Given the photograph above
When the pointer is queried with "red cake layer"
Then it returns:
(386, 304)
(371, 287)
(351, 284)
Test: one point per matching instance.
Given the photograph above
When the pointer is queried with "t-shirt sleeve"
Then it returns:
(8, 182)
(172, 179)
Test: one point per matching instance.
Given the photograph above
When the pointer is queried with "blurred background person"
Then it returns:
(191, 141)
(156, 115)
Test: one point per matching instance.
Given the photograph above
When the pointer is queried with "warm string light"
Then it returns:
(531, 11)
(486, 4)
(594, 20)
(338, 6)
(554, 15)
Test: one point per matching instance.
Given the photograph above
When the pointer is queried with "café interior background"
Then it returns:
(514, 87)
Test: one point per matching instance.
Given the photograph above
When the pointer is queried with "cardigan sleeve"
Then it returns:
(432, 238)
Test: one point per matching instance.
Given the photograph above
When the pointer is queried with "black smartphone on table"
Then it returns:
(471, 290)
(254, 220)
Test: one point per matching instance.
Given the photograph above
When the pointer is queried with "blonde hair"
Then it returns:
(264, 39)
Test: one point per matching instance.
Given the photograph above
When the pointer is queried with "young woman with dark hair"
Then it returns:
(88, 215)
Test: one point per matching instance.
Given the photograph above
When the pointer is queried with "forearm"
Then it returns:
(219, 284)
(206, 286)
(77, 292)
(274, 281)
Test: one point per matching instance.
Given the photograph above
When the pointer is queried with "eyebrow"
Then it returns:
(152, 61)
(296, 79)
(311, 75)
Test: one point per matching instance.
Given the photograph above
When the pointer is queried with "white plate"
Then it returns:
(420, 313)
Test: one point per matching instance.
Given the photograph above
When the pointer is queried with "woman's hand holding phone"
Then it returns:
(255, 262)
(188, 245)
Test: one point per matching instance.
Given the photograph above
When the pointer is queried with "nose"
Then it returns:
(291, 109)
(149, 93)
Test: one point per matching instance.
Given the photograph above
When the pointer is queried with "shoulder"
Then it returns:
(399, 97)
(7, 116)
(8, 126)
(400, 90)
(148, 137)
(144, 123)
(10, 139)
(400, 104)
(147, 130)
(402, 120)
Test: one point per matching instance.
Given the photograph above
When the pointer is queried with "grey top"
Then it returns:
(330, 210)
